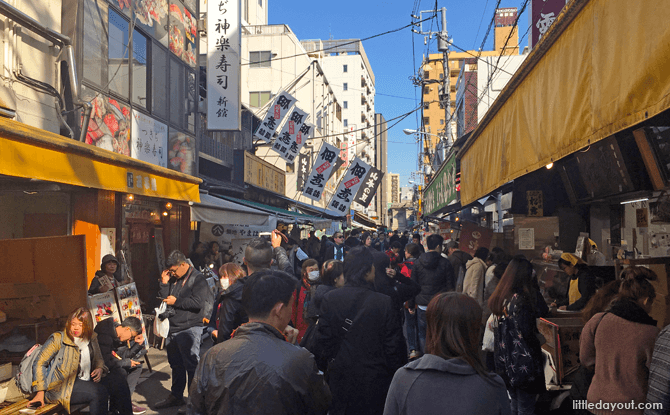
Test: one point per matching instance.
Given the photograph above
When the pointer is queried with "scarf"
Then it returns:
(631, 311)
(339, 252)
(84, 359)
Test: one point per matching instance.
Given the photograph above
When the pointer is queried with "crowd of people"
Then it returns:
(367, 323)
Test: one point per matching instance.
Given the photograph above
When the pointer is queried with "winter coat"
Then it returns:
(621, 351)
(361, 369)
(60, 389)
(489, 288)
(258, 372)
(109, 342)
(433, 385)
(587, 288)
(434, 274)
(231, 315)
(192, 291)
(458, 259)
(659, 375)
(473, 283)
(330, 252)
(317, 292)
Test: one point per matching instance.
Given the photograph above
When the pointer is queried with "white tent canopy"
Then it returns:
(216, 210)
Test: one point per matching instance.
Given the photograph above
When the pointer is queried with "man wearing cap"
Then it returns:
(107, 278)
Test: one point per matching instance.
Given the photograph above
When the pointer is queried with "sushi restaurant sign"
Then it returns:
(442, 190)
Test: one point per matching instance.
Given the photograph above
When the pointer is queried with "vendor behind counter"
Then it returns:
(582, 283)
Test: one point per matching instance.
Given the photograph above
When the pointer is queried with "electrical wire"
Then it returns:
(336, 46)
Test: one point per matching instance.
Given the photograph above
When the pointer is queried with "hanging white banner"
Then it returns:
(351, 182)
(224, 111)
(325, 161)
(276, 113)
(290, 139)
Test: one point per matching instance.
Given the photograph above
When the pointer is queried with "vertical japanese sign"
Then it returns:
(292, 136)
(223, 65)
(352, 143)
(369, 187)
(149, 139)
(542, 15)
(276, 113)
(303, 171)
(349, 185)
(325, 160)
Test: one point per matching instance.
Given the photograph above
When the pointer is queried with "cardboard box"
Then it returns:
(562, 335)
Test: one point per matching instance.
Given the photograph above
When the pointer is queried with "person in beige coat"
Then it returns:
(475, 272)
(76, 378)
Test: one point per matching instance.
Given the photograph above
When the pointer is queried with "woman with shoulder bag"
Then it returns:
(75, 378)
(517, 349)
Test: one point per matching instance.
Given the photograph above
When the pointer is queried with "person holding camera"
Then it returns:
(185, 290)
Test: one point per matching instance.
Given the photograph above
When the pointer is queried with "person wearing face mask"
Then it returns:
(230, 273)
(310, 274)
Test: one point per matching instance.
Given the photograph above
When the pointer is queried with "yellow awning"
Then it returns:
(603, 66)
(30, 152)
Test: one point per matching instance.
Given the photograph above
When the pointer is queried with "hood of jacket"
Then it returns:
(462, 256)
(430, 259)
(455, 366)
(474, 261)
(235, 290)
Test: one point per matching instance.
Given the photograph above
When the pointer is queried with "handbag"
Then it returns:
(513, 358)
(489, 336)
(161, 327)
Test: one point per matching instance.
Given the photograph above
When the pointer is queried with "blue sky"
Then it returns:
(391, 56)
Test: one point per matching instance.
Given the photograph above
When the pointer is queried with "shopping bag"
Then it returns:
(161, 327)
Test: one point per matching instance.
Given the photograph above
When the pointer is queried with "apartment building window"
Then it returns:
(344, 68)
(260, 3)
(441, 121)
(426, 75)
(258, 99)
(345, 104)
(426, 120)
(426, 105)
(245, 10)
(345, 123)
(441, 76)
(262, 59)
(426, 90)
(345, 87)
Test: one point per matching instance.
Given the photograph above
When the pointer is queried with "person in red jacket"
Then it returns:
(392, 253)
(310, 274)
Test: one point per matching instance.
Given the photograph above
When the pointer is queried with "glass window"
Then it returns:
(345, 104)
(260, 3)
(345, 87)
(441, 121)
(344, 68)
(258, 99)
(426, 105)
(109, 127)
(177, 94)
(426, 120)
(95, 43)
(140, 62)
(159, 92)
(426, 90)
(152, 17)
(345, 123)
(245, 10)
(183, 31)
(260, 59)
(426, 75)
(119, 80)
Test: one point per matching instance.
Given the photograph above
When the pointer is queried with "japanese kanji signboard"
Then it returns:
(543, 13)
(369, 187)
(293, 135)
(276, 113)
(325, 160)
(303, 171)
(223, 65)
(351, 182)
(149, 139)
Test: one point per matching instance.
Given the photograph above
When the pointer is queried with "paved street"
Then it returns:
(154, 386)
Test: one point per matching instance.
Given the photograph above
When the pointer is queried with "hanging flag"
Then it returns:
(338, 163)
(369, 187)
(325, 160)
(276, 113)
(292, 136)
(351, 182)
(303, 171)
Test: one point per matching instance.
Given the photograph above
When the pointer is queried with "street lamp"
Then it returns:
(410, 132)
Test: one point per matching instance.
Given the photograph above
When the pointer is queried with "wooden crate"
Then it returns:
(562, 335)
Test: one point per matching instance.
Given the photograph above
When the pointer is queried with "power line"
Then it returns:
(336, 46)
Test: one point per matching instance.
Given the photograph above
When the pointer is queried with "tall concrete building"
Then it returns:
(433, 118)
(274, 60)
(381, 148)
(346, 65)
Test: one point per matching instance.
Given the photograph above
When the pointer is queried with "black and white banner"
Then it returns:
(303, 171)
(349, 185)
(276, 113)
(325, 161)
(292, 136)
(369, 187)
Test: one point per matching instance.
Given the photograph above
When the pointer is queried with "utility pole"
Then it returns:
(443, 46)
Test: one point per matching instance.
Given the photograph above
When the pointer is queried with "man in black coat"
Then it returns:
(338, 250)
(358, 339)
(434, 274)
(258, 371)
(119, 344)
(185, 291)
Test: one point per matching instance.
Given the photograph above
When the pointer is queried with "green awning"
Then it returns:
(283, 214)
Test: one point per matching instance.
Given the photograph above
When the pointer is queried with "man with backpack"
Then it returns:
(434, 274)
(458, 260)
